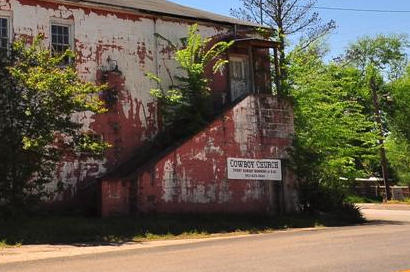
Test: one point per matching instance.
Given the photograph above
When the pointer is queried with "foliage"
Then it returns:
(398, 108)
(38, 98)
(381, 60)
(186, 106)
(398, 142)
(385, 52)
(398, 154)
(352, 198)
(337, 133)
(330, 120)
(334, 136)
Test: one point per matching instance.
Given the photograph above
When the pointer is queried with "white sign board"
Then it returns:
(250, 169)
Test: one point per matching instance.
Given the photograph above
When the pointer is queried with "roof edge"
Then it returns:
(142, 10)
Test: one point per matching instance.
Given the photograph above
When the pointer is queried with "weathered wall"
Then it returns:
(128, 38)
(193, 176)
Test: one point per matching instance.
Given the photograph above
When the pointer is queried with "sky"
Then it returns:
(351, 25)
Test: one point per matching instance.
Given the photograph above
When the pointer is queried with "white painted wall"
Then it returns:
(98, 37)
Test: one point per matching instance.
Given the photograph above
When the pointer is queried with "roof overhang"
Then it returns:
(254, 42)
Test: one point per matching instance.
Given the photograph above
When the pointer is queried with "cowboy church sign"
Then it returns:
(251, 169)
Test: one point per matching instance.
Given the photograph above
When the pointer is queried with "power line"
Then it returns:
(362, 10)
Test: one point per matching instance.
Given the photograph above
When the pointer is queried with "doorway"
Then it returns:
(239, 75)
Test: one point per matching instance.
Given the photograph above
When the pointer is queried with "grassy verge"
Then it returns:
(98, 231)
(6, 244)
(361, 199)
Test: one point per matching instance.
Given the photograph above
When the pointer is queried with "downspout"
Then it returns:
(251, 69)
(277, 72)
(156, 48)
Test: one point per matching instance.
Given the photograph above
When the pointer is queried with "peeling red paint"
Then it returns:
(87, 10)
(116, 202)
(124, 130)
(101, 48)
(143, 53)
(167, 51)
(28, 39)
(192, 177)
(6, 7)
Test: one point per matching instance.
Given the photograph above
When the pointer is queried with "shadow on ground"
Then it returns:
(86, 231)
(387, 222)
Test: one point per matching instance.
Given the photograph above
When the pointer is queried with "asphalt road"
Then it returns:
(382, 245)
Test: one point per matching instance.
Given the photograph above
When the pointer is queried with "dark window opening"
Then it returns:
(4, 33)
(60, 40)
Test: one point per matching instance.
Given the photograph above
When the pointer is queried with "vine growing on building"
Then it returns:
(185, 106)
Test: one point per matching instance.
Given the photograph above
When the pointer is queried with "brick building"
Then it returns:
(115, 42)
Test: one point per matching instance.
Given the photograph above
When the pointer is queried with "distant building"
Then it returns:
(115, 43)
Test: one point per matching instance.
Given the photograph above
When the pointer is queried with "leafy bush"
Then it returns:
(186, 107)
(38, 96)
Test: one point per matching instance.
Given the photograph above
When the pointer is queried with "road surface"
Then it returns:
(382, 245)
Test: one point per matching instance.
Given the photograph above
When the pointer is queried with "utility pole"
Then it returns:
(374, 88)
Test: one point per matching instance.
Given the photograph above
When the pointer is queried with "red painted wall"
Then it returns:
(125, 134)
(115, 197)
(192, 178)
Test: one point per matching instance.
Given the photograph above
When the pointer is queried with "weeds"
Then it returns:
(361, 199)
(77, 230)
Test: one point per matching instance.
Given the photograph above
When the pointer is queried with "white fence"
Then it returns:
(398, 192)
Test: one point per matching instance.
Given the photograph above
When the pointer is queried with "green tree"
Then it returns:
(386, 52)
(398, 106)
(186, 106)
(334, 136)
(398, 118)
(398, 154)
(38, 97)
(379, 59)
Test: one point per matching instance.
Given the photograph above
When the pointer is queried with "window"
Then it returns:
(4, 33)
(239, 71)
(60, 38)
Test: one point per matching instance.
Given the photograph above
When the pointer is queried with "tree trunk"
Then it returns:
(282, 54)
(378, 119)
